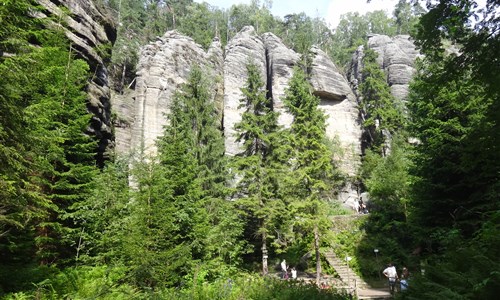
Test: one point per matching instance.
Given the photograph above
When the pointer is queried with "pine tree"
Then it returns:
(259, 164)
(312, 168)
(49, 160)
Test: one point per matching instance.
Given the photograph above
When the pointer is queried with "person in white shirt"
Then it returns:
(284, 269)
(294, 273)
(391, 273)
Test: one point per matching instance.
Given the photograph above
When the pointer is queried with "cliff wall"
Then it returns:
(164, 65)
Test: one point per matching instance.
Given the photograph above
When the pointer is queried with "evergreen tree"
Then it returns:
(16, 26)
(312, 169)
(181, 194)
(104, 217)
(54, 160)
(381, 113)
(259, 164)
(353, 31)
(63, 154)
(454, 110)
(192, 152)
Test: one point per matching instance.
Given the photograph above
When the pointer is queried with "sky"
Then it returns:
(330, 10)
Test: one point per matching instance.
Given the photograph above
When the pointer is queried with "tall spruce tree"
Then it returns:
(312, 168)
(381, 112)
(259, 163)
(195, 137)
(180, 207)
(54, 161)
(103, 217)
(63, 155)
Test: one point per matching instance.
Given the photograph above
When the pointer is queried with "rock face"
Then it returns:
(245, 47)
(90, 29)
(339, 104)
(396, 56)
(280, 63)
(163, 66)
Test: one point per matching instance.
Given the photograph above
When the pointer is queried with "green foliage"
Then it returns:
(251, 287)
(105, 283)
(81, 283)
(254, 14)
(202, 23)
(16, 206)
(454, 109)
(179, 211)
(353, 30)
(406, 16)
(382, 114)
(260, 165)
(313, 175)
(103, 216)
(48, 162)
(468, 270)
(447, 118)
(63, 154)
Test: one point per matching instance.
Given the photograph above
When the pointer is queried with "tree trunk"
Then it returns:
(318, 258)
(264, 255)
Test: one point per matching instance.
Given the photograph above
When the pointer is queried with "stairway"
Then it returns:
(351, 282)
(347, 276)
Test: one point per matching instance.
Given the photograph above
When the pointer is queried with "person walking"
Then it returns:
(294, 273)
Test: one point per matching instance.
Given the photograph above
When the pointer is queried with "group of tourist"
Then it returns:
(360, 207)
(392, 275)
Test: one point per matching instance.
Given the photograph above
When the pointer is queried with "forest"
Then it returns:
(195, 223)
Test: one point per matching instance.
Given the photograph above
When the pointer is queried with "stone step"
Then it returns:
(350, 281)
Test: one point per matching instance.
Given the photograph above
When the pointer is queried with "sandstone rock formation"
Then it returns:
(339, 104)
(245, 47)
(396, 56)
(92, 33)
(280, 63)
(163, 66)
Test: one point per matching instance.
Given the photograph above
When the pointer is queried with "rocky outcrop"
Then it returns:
(277, 62)
(280, 63)
(245, 47)
(396, 56)
(163, 66)
(92, 34)
(339, 104)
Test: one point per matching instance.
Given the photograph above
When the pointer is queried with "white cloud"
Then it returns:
(336, 8)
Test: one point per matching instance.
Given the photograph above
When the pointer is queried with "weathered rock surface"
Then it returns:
(243, 48)
(90, 29)
(396, 56)
(163, 66)
(280, 63)
(339, 104)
